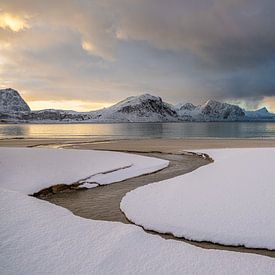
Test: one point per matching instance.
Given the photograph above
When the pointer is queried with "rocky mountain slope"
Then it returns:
(261, 114)
(140, 109)
(12, 102)
(211, 111)
(144, 108)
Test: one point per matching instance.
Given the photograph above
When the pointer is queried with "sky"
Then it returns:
(87, 54)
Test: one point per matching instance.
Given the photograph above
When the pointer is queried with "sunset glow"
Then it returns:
(12, 22)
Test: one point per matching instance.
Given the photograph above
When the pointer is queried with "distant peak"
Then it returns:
(148, 96)
(139, 98)
(262, 110)
(211, 102)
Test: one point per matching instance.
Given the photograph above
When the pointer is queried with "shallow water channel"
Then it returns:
(103, 202)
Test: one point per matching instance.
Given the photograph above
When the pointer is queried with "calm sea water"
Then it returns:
(141, 130)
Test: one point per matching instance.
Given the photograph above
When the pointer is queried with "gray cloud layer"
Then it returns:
(104, 50)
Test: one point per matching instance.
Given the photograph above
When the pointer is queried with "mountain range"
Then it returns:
(144, 108)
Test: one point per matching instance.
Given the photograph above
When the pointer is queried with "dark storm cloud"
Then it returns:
(226, 33)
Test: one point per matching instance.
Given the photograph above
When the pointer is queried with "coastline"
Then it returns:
(139, 145)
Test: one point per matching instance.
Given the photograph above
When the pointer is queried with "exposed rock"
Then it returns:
(12, 102)
(211, 111)
(56, 189)
(185, 107)
(221, 111)
(144, 108)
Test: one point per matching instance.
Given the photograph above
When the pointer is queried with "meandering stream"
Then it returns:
(103, 202)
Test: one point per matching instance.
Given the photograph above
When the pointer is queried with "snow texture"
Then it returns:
(30, 170)
(230, 201)
(41, 238)
(140, 108)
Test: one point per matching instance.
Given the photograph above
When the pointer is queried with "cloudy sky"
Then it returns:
(87, 54)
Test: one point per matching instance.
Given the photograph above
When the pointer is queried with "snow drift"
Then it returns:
(230, 201)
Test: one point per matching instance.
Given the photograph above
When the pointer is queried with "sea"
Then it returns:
(219, 130)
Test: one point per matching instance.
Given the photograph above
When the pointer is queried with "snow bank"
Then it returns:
(41, 238)
(29, 170)
(230, 201)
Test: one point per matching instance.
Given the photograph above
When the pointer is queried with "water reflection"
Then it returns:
(11, 131)
(141, 130)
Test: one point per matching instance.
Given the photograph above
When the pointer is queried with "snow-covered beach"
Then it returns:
(41, 238)
(230, 201)
(52, 240)
(42, 168)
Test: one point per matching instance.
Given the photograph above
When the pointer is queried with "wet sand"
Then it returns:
(102, 203)
(141, 145)
(30, 142)
(173, 145)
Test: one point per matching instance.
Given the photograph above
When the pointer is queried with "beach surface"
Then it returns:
(141, 145)
(99, 201)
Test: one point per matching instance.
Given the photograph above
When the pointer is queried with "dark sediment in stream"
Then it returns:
(103, 202)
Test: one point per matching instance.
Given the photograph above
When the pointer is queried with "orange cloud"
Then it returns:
(269, 103)
(12, 22)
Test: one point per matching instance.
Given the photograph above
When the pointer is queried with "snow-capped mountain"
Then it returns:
(143, 108)
(211, 111)
(261, 114)
(12, 102)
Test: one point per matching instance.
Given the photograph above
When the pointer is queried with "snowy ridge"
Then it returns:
(211, 111)
(143, 108)
(262, 114)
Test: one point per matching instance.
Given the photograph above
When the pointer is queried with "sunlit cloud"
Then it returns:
(269, 103)
(87, 46)
(12, 22)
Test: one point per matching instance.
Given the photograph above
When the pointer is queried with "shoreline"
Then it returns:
(139, 145)
(171, 145)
